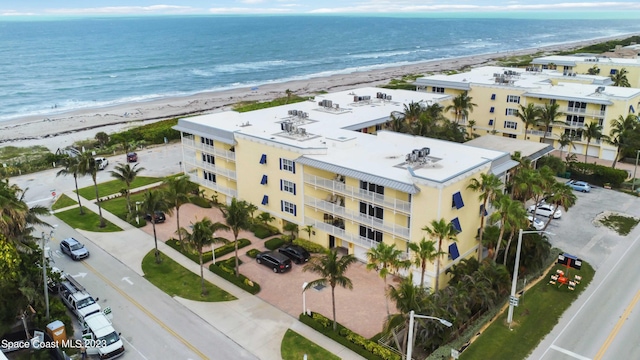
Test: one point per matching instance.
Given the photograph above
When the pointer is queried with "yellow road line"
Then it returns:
(144, 310)
(616, 329)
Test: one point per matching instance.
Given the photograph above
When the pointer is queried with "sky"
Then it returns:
(283, 7)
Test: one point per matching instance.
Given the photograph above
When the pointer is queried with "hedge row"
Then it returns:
(310, 246)
(597, 174)
(274, 243)
(359, 344)
(207, 255)
(253, 253)
(229, 274)
(262, 231)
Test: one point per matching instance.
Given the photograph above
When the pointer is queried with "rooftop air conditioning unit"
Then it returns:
(290, 112)
(321, 103)
(303, 131)
(294, 112)
(425, 151)
(337, 106)
(414, 157)
(389, 97)
(379, 95)
(329, 103)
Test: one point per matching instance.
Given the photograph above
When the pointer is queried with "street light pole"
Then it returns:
(304, 299)
(137, 213)
(633, 184)
(412, 314)
(516, 265)
(44, 274)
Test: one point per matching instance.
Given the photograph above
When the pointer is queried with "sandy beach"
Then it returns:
(61, 130)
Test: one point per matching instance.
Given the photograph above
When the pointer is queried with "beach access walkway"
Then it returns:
(251, 322)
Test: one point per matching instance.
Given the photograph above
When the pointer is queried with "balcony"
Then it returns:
(574, 124)
(340, 233)
(374, 198)
(213, 186)
(212, 168)
(225, 154)
(549, 135)
(581, 111)
(336, 210)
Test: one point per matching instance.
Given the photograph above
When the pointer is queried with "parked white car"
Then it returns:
(536, 223)
(101, 163)
(546, 210)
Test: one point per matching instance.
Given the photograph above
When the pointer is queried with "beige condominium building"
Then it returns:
(498, 92)
(329, 163)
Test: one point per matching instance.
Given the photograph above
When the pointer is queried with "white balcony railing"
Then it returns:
(336, 210)
(375, 198)
(575, 110)
(213, 186)
(340, 233)
(225, 154)
(541, 133)
(212, 168)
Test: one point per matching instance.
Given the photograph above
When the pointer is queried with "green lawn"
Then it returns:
(114, 187)
(118, 207)
(175, 280)
(62, 202)
(90, 221)
(294, 346)
(539, 310)
(620, 223)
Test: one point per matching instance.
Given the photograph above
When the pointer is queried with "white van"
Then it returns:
(100, 338)
(101, 163)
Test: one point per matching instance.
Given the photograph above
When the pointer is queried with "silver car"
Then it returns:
(546, 210)
(74, 249)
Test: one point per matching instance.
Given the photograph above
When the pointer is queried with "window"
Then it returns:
(492, 110)
(287, 165)
(575, 120)
(510, 125)
(378, 127)
(209, 176)
(493, 96)
(208, 158)
(371, 234)
(368, 209)
(490, 122)
(263, 159)
(513, 99)
(372, 187)
(512, 136)
(264, 180)
(456, 224)
(288, 186)
(265, 200)
(456, 201)
(511, 112)
(288, 207)
(613, 71)
(206, 141)
(436, 89)
(453, 251)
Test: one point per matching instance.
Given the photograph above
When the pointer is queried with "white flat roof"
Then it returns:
(572, 60)
(328, 136)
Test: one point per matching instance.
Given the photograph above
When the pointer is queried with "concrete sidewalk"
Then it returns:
(249, 321)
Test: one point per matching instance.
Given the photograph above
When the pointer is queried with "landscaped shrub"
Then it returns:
(201, 202)
(359, 344)
(153, 133)
(261, 231)
(274, 243)
(207, 255)
(240, 281)
(597, 174)
(230, 247)
(253, 253)
(310, 246)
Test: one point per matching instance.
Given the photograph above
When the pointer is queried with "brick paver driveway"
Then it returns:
(362, 309)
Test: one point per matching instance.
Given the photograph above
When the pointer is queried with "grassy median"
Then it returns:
(295, 346)
(90, 221)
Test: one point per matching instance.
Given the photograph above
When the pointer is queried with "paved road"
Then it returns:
(153, 324)
(603, 323)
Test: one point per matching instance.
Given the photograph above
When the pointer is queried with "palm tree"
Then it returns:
(293, 229)
(407, 297)
(561, 195)
(70, 164)
(517, 220)
(621, 132)
(385, 259)
(565, 140)
(489, 187)
(154, 201)
(412, 112)
(505, 208)
(530, 115)
(308, 229)
(201, 235)
(332, 270)
(396, 122)
(87, 166)
(461, 106)
(127, 175)
(423, 252)
(265, 218)
(237, 217)
(440, 230)
(592, 131)
(471, 125)
(289, 94)
(17, 218)
(178, 193)
(548, 117)
(620, 78)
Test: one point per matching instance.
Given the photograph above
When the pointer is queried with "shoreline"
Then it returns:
(63, 129)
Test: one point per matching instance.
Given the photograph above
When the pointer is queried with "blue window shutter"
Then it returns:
(295, 208)
(631, 109)
(457, 200)
(294, 189)
(515, 125)
(456, 224)
(453, 251)
(613, 71)
(280, 163)
(506, 111)
(265, 200)
(263, 159)
(493, 96)
(490, 122)
(294, 166)
(281, 205)
(281, 186)
(492, 109)
(264, 180)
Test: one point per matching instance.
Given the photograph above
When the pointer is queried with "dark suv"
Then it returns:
(276, 261)
(296, 253)
(158, 217)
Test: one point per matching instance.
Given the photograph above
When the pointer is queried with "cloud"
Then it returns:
(248, 10)
(153, 9)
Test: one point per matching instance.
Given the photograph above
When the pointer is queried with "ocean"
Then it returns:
(52, 65)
